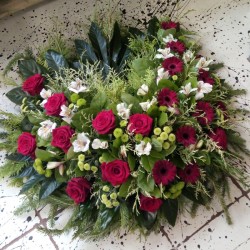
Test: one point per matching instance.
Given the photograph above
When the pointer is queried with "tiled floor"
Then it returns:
(224, 28)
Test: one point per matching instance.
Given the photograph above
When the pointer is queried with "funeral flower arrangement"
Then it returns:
(124, 130)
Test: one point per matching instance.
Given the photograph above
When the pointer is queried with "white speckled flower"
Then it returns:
(146, 105)
(81, 144)
(45, 94)
(77, 86)
(123, 151)
(97, 143)
(169, 39)
(203, 63)
(164, 53)
(187, 89)
(66, 114)
(143, 90)
(143, 148)
(187, 56)
(46, 129)
(203, 88)
(162, 74)
(123, 110)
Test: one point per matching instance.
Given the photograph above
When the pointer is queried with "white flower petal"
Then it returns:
(143, 148)
(123, 110)
(53, 164)
(46, 129)
(143, 90)
(81, 144)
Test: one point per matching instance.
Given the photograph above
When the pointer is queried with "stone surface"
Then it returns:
(224, 32)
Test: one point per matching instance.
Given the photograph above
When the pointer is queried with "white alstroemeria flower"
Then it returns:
(187, 56)
(45, 94)
(143, 148)
(169, 39)
(164, 53)
(162, 74)
(53, 164)
(203, 88)
(66, 114)
(123, 151)
(203, 63)
(187, 89)
(123, 110)
(81, 144)
(46, 129)
(174, 110)
(146, 105)
(143, 90)
(77, 86)
(96, 144)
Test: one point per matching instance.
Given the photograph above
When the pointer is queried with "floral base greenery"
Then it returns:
(125, 129)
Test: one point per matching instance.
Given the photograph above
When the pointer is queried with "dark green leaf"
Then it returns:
(129, 99)
(124, 59)
(106, 215)
(32, 181)
(153, 26)
(136, 32)
(163, 119)
(164, 83)
(124, 188)
(99, 101)
(170, 210)
(107, 157)
(131, 161)
(85, 51)
(16, 95)
(48, 187)
(27, 171)
(26, 125)
(146, 219)
(156, 145)
(29, 68)
(55, 60)
(141, 65)
(45, 155)
(190, 194)
(145, 182)
(18, 157)
(115, 45)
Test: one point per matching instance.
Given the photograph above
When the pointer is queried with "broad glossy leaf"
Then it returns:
(106, 215)
(48, 187)
(190, 194)
(29, 68)
(26, 125)
(124, 188)
(156, 145)
(146, 219)
(18, 157)
(99, 101)
(16, 95)
(32, 181)
(115, 45)
(141, 65)
(27, 171)
(153, 26)
(170, 210)
(45, 155)
(55, 60)
(131, 161)
(145, 182)
(129, 99)
(163, 119)
(164, 83)
(85, 51)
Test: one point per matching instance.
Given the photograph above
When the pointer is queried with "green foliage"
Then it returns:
(11, 168)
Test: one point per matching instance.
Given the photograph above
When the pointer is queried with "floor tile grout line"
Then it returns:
(244, 242)
(164, 233)
(244, 192)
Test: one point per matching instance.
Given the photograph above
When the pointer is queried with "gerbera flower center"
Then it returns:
(163, 171)
(172, 66)
(185, 136)
(188, 172)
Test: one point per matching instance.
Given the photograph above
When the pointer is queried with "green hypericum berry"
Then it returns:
(160, 140)
(40, 170)
(167, 195)
(108, 204)
(180, 185)
(48, 173)
(173, 189)
(175, 195)
(115, 203)
(80, 164)
(175, 77)
(74, 97)
(123, 123)
(81, 157)
(172, 137)
(157, 131)
(101, 160)
(106, 188)
(163, 108)
(38, 162)
(138, 137)
(124, 138)
(167, 129)
(86, 166)
(81, 102)
(146, 139)
(164, 136)
(71, 106)
(113, 196)
(117, 132)
(104, 197)
(94, 169)
(166, 145)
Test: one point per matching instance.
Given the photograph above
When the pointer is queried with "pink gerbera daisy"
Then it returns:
(204, 113)
(205, 77)
(186, 135)
(167, 97)
(190, 174)
(164, 172)
(173, 65)
(220, 137)
(177, 46)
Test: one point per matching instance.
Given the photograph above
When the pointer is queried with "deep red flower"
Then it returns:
(164, 172)
(205, 77)
(219, 136)
(54, 104)
(190, 174)
(26, 144)
(140, 124)
(78, 189)
(204, 113)
(173, 65)
(34, 84)
(167, 97)
(186, 135)
(177, 46)
(150, 204)
(170, 25)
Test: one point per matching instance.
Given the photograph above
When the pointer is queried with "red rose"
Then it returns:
(78, 189)
(54, 103)
(116, 172)
(150, 204)
(26, 144)
(61, 137)
(140, 124)
(34, 84)
(104, 123)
